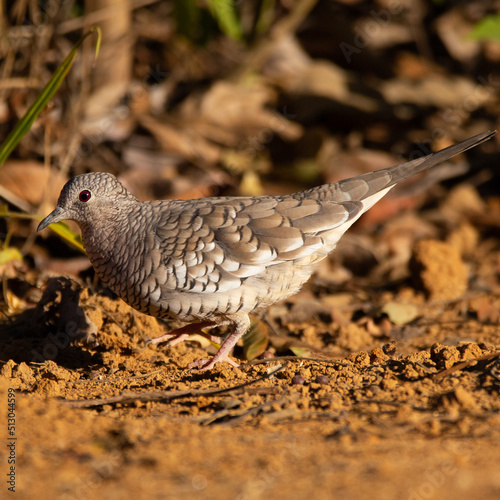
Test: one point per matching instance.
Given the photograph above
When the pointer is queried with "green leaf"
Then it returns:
(487, 29)
(24, 125)
(302, 352)
(67, 234)
(8, 254)
(227, 18)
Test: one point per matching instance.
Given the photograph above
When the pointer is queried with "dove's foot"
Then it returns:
(176, 336)
(222, 355)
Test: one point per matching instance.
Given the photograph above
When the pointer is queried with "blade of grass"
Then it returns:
(24, 125)
(59, 228)
(67, 234)
(265, 18)
(187, 16)
(224, 12)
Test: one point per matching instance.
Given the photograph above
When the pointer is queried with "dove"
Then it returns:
(213, 261)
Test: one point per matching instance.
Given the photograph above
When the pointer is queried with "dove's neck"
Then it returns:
(112, 241)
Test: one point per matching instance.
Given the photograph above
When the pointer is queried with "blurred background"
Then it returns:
(204, 98)
(195, 98)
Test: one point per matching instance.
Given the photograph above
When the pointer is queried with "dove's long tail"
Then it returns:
(365, 186)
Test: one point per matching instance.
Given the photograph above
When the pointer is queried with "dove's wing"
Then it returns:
(213, 245)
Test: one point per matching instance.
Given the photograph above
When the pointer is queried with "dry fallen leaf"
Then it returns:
(182, 140)
(400, 314)
(256, 340)
(288, 65)
(485, 310)
(44, 184)
(442, 91)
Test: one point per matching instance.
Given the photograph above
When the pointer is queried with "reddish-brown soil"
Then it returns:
(403, 405)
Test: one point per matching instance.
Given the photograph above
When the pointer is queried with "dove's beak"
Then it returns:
(58, 214)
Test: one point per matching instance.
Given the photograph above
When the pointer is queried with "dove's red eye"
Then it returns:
(85, 196)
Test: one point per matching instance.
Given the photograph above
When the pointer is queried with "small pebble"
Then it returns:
(389, 348)
(298, 380)
(322, 379)
(267, 355)
(95, 375)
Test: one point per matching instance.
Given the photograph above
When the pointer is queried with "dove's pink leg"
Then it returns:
(180, 334)
(221, 356)
(242, 325)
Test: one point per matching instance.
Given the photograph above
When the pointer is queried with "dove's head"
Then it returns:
(89, 198)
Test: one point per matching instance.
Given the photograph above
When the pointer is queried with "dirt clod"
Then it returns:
(438, 268)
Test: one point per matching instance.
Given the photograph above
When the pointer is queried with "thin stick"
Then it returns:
(162, 396)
